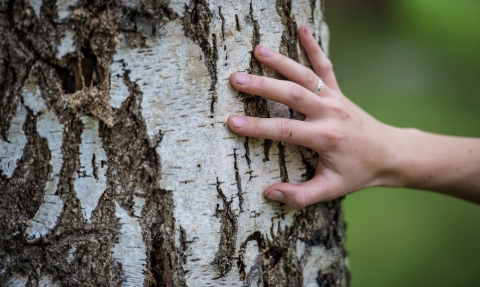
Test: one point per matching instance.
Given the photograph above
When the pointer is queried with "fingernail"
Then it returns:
(238, 122)
(264, 52)
(242, 79)
(274, 195)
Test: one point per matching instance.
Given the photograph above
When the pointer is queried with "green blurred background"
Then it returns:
(411, 63)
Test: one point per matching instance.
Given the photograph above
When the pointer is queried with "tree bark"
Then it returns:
(117, 168)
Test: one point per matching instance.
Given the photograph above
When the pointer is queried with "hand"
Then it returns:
(350, 143)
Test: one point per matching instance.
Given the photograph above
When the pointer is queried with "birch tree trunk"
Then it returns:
(117, 168)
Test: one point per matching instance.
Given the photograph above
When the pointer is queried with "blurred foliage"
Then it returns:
(411, 63)
(451, 26)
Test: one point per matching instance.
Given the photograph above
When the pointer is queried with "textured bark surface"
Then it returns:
(116, 165)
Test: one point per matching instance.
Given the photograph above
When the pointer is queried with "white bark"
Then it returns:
(12, 148)
(91, 179)
(67, 44)
(214, 177)
(130, 249)
(45, 219)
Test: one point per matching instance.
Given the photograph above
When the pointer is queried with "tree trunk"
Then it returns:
(117, 168)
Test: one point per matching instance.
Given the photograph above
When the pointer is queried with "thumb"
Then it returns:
(298, 195)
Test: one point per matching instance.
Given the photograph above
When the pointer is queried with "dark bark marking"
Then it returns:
(332, 234)
(16, 59)
(228, 235)
(196, 24)
(257, 236)
(280, 262)
(88, 64)
(212, 104)
(309, 163)
(288, 45)
(165, 263)
(267, 144)
(332, 276)
(273, 255)
(281, 162)
(247, 152)
(144, 21)
(238, 180)
(85, 80)
(223, 22)
(291, 112)
(94, 167)
(255, 106)
(67, 79)
(20, 194)
(183, 240)
(137, 167)
(237, 24)
(326, 280)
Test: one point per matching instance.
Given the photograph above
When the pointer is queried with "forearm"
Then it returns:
(445, 164)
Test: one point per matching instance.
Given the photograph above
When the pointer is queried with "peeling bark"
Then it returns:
(116, 165)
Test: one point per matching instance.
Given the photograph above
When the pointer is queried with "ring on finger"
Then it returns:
(320, 86)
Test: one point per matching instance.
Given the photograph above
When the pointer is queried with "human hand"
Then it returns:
(352, 146)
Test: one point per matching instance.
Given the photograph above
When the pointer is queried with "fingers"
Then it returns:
(278, 129)
(302, 194)
(287, 67)
(285, 92)
(321, 64)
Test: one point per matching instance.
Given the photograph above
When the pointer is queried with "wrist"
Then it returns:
(396, 156)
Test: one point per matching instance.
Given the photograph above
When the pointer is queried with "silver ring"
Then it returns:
(320, 86)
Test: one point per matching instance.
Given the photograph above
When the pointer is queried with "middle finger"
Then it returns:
(287, 67)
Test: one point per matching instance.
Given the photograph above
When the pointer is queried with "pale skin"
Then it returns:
(355, 150)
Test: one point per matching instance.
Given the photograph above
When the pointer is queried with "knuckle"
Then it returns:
(256, 128)
(262, 83)
(311, 77)
(332, 136)
(281, 59)
(297, 93)
(285, 129)
(340, 110)
(299, 200)
(327, 65)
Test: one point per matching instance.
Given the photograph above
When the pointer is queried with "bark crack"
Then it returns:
(267, 144)
(223, 22)
(228, 234)
(94, 167)
(196, 24)
(238, 180)
(255, 106)
(257, 236)
(282, 163)
(288, 45)
(237, 23)
(247, 153)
